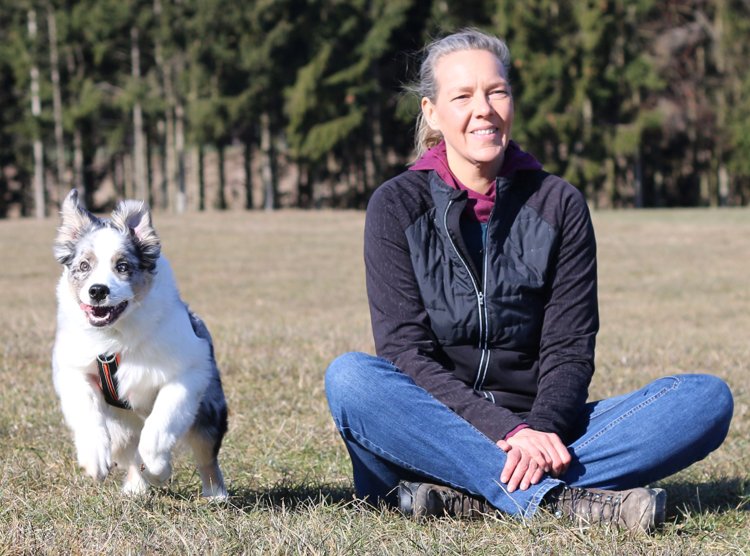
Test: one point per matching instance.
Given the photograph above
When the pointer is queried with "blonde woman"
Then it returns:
(481, 279)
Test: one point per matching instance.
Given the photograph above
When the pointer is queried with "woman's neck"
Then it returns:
(477, 177)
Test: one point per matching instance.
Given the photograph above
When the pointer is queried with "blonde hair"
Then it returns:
(467, 39)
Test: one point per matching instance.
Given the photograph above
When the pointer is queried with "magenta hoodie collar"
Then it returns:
(479, 205)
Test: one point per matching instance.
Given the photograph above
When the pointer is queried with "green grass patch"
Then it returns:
(283, 294)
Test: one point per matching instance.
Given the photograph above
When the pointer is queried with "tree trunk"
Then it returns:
(169, 162)
(139, 146)
(221, 198)
(723, 185)
(36, 112)
(118, 175)
(78, 166)
(638, 178)
(193, 193)
(170, 156)
(268, 164)
(248, 163)
(201, 179)
(304, 186)
(128, 170)
(57, 103)
(161, 129)
(376, 147)
(149, 170)
(179, 144)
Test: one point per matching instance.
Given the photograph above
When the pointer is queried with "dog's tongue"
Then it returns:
(96, 311)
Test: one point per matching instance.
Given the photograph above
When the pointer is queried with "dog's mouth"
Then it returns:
(101, 315)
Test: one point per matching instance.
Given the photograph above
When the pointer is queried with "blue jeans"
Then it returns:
(395, 430)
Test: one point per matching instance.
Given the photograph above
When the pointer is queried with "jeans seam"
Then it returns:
(651, 399)
(538, 497)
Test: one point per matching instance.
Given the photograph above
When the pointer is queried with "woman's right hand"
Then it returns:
(531, 454)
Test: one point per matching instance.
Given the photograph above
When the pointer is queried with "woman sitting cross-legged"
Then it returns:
(481, 280)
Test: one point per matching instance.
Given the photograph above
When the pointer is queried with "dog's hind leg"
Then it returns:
(205, 452)
(205, 437)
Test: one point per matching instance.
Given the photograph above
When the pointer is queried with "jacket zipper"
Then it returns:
(479, 385)
(484, 361)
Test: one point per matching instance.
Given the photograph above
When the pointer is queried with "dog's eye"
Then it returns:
(84, 266)
(122, 267)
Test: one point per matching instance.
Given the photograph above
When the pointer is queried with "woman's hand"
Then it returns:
(531, 454)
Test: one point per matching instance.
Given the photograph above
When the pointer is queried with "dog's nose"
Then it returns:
(97, 292)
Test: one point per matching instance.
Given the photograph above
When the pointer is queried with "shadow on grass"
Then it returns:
(684, 498)
(713, 496)
(290, 496)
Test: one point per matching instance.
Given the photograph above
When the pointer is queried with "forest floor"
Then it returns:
(283, 294)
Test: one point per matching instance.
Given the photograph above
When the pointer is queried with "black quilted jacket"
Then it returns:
(510, 343)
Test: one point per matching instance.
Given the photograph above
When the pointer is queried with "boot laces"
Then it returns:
(594, 507)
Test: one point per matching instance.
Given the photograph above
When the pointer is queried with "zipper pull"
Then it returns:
(481, 299)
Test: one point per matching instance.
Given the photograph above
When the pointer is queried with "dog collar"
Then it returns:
(108, 365)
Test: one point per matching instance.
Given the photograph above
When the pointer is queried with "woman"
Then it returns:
(481, 279)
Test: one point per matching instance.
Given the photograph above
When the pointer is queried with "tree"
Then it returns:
(36, 112)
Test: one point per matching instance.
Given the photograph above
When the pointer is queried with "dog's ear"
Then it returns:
(134, 217)
(76, 220)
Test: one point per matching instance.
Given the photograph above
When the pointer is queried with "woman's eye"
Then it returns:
(84, 266)
(122, 267)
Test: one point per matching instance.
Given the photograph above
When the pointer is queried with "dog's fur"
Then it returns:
(117, 294)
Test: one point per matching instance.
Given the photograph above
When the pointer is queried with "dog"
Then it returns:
(133, 367)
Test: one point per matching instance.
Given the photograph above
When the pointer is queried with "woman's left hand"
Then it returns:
(531, 454)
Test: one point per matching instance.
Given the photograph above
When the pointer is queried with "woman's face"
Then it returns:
(473, 110)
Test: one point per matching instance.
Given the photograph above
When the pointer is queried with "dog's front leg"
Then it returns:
(82, 407)
(174, 412)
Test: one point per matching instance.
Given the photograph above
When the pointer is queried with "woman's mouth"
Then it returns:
(485, 132)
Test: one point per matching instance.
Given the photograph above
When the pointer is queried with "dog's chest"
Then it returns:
(139, 385)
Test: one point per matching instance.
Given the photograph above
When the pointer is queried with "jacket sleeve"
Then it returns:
(571, 321)
(400, 323)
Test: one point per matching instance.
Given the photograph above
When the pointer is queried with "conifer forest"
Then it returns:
(263, 104)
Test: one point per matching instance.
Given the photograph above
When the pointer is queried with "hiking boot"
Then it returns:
(425, 499)
(638, 509)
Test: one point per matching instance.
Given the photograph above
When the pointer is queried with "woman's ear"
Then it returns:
(430, 114)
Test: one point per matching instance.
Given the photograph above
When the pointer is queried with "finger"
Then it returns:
(503, 445)
(536, 449)
(541, 462)
(550, 445)
(540, 457)
(528, 476)
(562, 459)
(510, 465)
(556, 463)
(533, 476)
(520, 473)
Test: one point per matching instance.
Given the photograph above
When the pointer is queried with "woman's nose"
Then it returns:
(481, 104)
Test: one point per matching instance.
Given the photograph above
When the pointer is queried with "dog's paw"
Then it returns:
(215, 494)
(135, 484)
(156, 470)
(95, 453)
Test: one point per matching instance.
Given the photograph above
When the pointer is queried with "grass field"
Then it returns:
(283, 294)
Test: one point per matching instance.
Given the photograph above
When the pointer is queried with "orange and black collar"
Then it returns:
(108, 365)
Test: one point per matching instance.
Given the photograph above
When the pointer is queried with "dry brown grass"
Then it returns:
(283, 294)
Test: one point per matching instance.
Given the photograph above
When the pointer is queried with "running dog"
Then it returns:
(133, 367)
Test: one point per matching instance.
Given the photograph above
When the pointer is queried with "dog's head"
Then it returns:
(110, 262)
